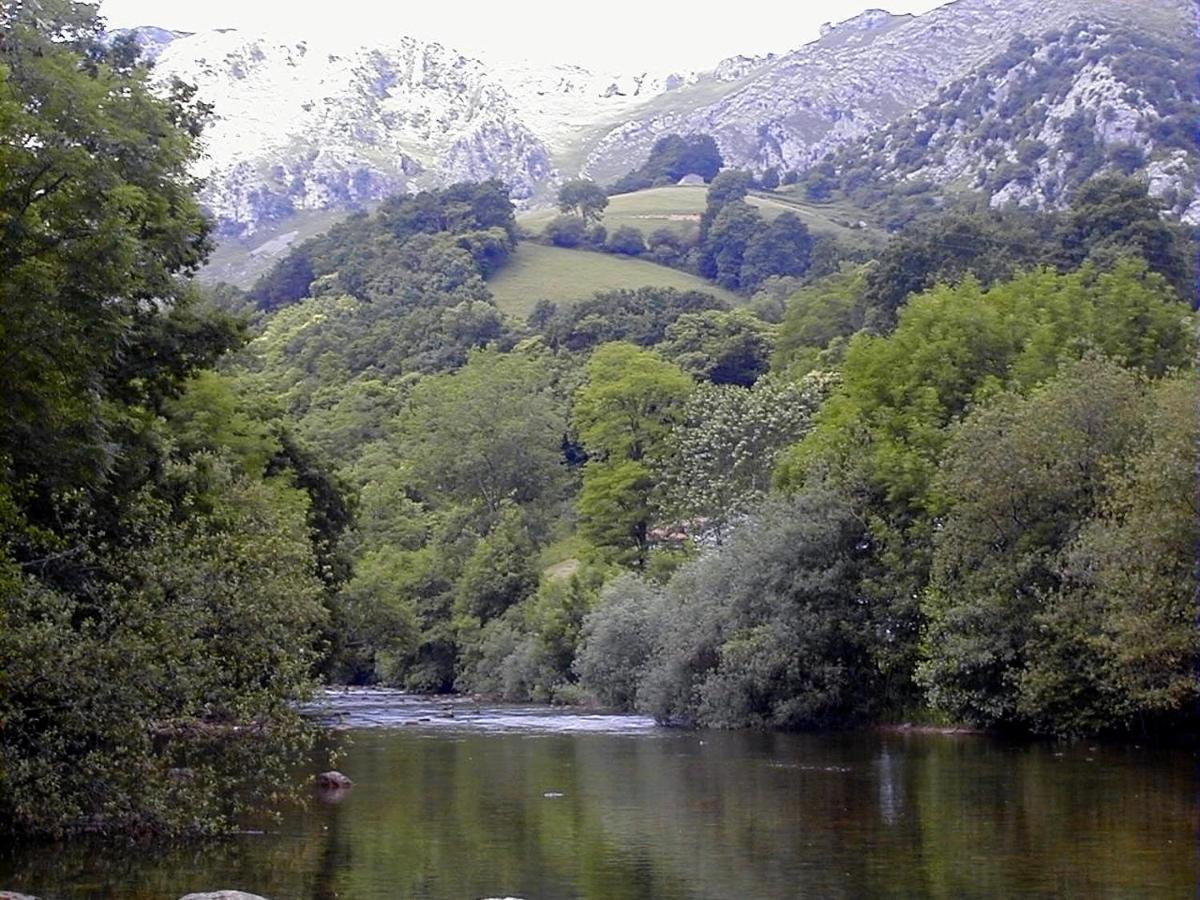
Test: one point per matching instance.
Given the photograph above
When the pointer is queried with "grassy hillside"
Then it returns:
(679, 208)
(538, 273)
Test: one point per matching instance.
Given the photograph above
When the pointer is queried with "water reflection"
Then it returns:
(620, 809)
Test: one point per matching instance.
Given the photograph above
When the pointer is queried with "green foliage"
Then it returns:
(584, 198)
(762, 632)
(718, 461)
(671, 158)
(721, 347)
(818, 315)
(881, 435)
(954, 345)
(566, 231)
(1116, 647)
(618, 641)
(499, 572)
(363, 251)
(487, 434)
(783, 248)
(738, 249)
(206, 620)
(1113, 216)
(734, 229)
(160, 600)
(623, 413)
(626, 240)
(1018, 480)
(991, 246)
(639, 317)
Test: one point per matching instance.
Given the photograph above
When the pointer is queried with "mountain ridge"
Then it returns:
(301, 127)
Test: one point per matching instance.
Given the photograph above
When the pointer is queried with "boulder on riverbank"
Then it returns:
(333, 781)
(219, 895)
(10, 895)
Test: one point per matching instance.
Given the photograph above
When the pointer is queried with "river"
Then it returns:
(459, 801)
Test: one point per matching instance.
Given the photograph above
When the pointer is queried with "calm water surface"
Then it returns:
(533, 803)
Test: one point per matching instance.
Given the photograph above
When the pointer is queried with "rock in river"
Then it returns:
(222, 895)
(333, 781)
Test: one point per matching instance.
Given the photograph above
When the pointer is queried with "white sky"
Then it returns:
(616, 35)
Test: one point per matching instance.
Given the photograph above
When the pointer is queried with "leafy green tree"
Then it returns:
(992, 246)
(161, 601)
(728, 187)
(618, 641)
(208, 621)
(95, 232)
(723, 252)
(881, 434)
(487, 434)
(719, 458)
(1018, 480)
(671, 158)
(1115, 648)
(640, 317)
(626, 240)
(1114, 215)
(817, 315)
(499, 572)
(721, 347)
(584, 198)
(783, 247)
(376, 619)
(566, 231)
(766, 630)
(623, 412)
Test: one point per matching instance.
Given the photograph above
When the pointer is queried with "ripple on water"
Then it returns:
(391, 708)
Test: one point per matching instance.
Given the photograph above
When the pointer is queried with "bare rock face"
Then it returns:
(334, 780)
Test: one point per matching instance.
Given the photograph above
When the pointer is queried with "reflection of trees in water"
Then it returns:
(335, 855)
(691, 814)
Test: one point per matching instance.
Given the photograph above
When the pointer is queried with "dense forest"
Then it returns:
(950, 481)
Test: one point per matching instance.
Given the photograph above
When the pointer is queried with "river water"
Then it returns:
(459, 801)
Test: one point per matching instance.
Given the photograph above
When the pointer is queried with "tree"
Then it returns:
(1115, 648)
(718, 461)
(881, 434)
(566, 231)
(487, 434)
(734, 230)
(719, 346)
(622, 413)
(584, 198)
(1114, 215)
(95, 231)
(1018, 480)
(727, 187)
(626, 240)
(783, 247)
(817, 315)
(618, 641)
(766, 631)
(160, 598)
(671, 158)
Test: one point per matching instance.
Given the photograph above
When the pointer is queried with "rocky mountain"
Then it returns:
(858, 77)
(1038, 120)
(303, 127)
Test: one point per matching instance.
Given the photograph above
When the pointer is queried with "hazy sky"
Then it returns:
(613, 34)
